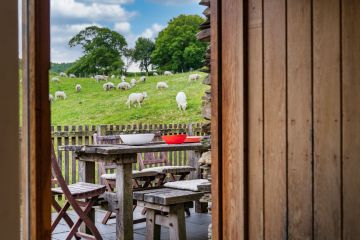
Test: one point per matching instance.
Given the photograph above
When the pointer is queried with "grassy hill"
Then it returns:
(95, 106)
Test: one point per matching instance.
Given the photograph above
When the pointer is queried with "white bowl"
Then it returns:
(137, 139)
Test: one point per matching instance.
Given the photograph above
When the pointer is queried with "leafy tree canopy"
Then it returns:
(142, 53)
(102, 49)
(177, 48)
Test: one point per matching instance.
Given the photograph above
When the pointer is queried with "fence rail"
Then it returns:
(83, 135)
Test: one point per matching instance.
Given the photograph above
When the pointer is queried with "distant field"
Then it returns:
(95, 106)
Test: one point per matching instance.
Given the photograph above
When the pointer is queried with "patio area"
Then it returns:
(196, 226)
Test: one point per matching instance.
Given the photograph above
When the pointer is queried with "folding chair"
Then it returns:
(87, 192)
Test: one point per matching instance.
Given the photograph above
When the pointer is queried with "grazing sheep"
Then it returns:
(51, 98)
(55, 79)
(72, 75)
(181, 101)
(123, 78)
(124, 86)
(194, 77)
(101, 78)
(78, 88)
(113, 77)
(62, 74)
(136, 98)
(142, 79)
(168, 73)
(155, 74)
(60, 95)
(133, 82)
(161, 85)
(108, 86)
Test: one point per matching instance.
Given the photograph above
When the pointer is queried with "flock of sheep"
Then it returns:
(134, 98)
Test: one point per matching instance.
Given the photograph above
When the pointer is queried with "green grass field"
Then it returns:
(95, 106)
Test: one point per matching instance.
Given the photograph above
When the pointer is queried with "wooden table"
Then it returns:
(124, 156)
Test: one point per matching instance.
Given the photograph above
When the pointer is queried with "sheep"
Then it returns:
(78, 88)
(155, 74)
(136, 98)
(142, 79)
(55, 79)
(113, 77)
(51, 97)
(62, 74)
(124, 86)
(161, 85)
(123, 78)
(101, 78)
(108, 86)
(194, 77)
(133, 82)
(60, 94)
(72, 75)
(168, 73)
(181, 101)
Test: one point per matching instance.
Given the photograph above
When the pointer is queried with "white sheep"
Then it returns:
(55, 79)
(51, 97)
(133, 82)
(136, 98)
(62, 74)
(124, 86)
(181, 100)
(123, 78)
(142, 79)
(60, 95)
(168, 73)
(155, 74)
(194, 77)
(161, 85)
(108, 86)
(78, 88)
(101, 78)
(113, 77)
(72, 75)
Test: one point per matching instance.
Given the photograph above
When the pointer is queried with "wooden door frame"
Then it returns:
(35, 157)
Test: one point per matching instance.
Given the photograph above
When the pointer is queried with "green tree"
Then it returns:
(142, 52)
(102, 49)
(129, 59)
(177, 48)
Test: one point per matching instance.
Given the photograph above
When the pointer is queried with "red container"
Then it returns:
(174, 139)
(192, 139)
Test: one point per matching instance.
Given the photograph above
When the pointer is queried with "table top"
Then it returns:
(118, 149)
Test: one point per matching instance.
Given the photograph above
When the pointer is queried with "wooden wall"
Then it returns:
(298, 93)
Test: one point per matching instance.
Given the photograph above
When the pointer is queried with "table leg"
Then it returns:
(194, 157)
(124, 217)
(87, 174)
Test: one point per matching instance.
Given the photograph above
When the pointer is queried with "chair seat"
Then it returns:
(191, 185)
(135, 173)
(82, 190)
(170, 169)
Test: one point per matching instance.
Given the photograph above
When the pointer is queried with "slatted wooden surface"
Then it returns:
(83, 135)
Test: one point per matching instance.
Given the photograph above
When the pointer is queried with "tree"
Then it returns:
(129, 59)
(177, 48)
(102, 49)
(142, 53)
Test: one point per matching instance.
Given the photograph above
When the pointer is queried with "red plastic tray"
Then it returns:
(192, 139)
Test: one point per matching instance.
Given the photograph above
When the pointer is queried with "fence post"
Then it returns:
(101, 130)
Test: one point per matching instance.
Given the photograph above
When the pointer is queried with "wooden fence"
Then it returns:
(83, 135)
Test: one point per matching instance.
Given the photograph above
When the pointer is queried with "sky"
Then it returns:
(131, 18)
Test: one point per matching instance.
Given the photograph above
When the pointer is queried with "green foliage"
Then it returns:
(102, 49)
(142, 52)
(129, 59)
(177, 48)
(94, 106)
(60, 67)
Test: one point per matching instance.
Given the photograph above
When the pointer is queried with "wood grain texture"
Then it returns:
(327, 116)
(233, 118)
(351, 117)
(299, 80)
(275, 119)
(255, 120)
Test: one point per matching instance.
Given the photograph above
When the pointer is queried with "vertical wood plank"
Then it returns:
(351, 117)
(275, 119)
(255, 120)
(299, 122)
(233, 118)
(66, 153)
(327, 131)
(73, 160)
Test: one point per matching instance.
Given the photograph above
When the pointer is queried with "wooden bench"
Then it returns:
(165, 207)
